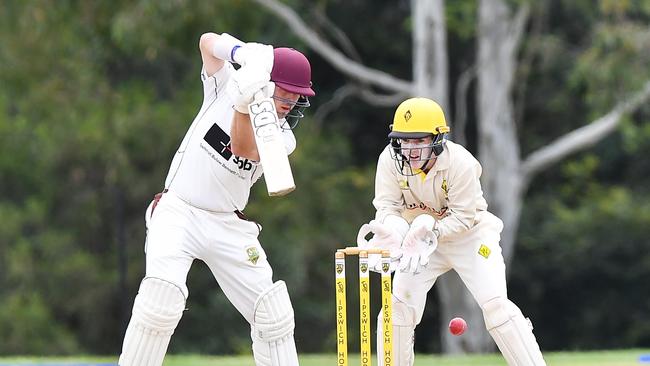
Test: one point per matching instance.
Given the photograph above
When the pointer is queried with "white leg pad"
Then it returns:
(157, 309)
(512, 333)
(272, 328)
(403, 334)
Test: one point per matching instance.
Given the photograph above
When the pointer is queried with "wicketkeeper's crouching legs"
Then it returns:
(272, 328)
(157, 309)
(512, 333)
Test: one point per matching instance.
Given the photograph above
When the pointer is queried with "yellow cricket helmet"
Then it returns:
(417, 118)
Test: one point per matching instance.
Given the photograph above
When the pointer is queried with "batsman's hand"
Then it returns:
(418, 245)
(245, 83)
(384, 238)
(257, 54)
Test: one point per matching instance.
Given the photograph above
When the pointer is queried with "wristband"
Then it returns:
(232, 52)
(225, 46)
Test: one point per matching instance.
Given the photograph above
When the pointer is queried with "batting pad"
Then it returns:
(403, 334)
(157, 309)
(512, 333)
(272, 328)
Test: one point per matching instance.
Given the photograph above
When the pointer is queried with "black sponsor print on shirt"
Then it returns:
(219, 140)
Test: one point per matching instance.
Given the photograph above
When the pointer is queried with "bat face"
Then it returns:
(271, 146)
(264, 118)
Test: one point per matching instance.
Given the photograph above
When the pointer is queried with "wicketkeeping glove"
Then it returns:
(418, 245)
(386, 236)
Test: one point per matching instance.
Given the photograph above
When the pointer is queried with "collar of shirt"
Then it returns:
(442, 163)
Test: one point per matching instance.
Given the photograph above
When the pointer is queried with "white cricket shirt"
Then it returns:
(450, 192)
(204, 172)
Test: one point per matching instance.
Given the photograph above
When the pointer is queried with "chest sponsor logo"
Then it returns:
(219, 140)
(439, 214)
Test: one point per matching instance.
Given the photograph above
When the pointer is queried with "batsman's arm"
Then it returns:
(211, 62)
(218, 48)
(242, 138)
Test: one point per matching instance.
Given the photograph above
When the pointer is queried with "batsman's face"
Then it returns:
(284, 101)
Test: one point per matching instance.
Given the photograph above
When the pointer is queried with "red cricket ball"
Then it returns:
(457, 326)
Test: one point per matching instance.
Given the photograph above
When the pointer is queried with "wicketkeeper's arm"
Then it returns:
(388, 200)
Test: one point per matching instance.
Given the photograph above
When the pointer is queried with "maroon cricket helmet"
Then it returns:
(292, 71)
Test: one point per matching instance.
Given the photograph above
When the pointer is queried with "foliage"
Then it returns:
(584, 254)
(95, 97)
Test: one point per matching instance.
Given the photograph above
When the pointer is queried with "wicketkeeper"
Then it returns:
(199, 213)
(432, 216)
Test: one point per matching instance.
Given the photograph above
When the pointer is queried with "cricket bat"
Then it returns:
(271, 146)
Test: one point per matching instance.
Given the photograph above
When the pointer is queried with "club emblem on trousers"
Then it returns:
(253, 254)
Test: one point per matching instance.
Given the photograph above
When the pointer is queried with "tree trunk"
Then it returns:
(430, 59)
(498, 41)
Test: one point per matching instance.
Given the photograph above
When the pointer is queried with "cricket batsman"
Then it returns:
(432, 216)
(199, 215)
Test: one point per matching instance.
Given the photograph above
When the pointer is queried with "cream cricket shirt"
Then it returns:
(451, 191)
(204, 172)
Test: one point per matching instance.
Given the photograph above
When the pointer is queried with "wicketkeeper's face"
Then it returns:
(417, 151)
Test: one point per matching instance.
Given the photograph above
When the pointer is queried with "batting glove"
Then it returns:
(257, 54)
(245, 83)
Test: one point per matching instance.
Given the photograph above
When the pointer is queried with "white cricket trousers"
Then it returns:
(482, 270)
(178, 233)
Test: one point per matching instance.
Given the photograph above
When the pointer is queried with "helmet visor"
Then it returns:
(411, 154)
(295, 114)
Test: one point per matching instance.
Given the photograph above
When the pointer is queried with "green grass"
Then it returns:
(600, 358)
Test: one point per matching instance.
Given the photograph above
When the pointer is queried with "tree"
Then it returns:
(501, 27)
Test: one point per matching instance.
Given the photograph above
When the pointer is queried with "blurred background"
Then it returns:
(552, 96)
